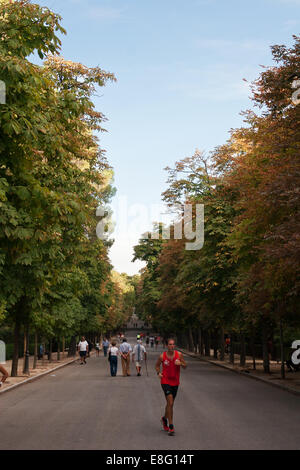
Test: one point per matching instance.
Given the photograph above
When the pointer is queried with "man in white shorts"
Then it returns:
(138, 355)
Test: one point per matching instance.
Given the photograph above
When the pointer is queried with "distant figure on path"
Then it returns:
(113, 358)
(138, 355)
(151, 341)
(97, 347)
(83, 347)
(125, 350)
(171, 361)
(105, 345)
(41, 352)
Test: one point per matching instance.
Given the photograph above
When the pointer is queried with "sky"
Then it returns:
(180, 67)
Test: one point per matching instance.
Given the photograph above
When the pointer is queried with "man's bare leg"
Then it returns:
(5, 374)
(169, 408)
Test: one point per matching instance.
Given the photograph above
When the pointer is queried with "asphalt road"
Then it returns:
(82, 407)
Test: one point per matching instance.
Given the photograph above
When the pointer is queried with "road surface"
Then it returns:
(82, 407)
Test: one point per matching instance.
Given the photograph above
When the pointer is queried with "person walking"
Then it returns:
(125, 350)
(41, 352)
(113, 358)
(97, 347)
(138, 355)
(151, 341)
(105, 345)
(83, 348)
(171, 361)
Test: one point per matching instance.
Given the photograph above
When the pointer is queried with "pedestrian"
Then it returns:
(147, 340)
(41, 352)
(156, 342)
(151, 341)
(125, 350)
(113, 358)
(4, 375)
(227, 342)
(171, 361)
(138, 355)
(83, 348)
(105, 345)
(97, 347)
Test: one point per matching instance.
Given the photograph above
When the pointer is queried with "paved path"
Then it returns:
(82, 407)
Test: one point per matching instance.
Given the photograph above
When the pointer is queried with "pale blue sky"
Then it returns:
(180, 67)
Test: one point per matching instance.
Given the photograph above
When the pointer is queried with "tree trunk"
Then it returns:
(58, 349)
(243, 350)
(207, 343)
(253, 350)
(26, 351)
(72, 347)
(222, 344)
(63, 346)
(50, 351)
(24, 348)
(266, 361)
(282, 351)
(231, 355)
(15, 360)
(215, 343)
(195, 340)
(35, 350)
(191, 341)
(200, 341)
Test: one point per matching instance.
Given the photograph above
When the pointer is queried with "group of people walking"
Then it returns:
(138, 353)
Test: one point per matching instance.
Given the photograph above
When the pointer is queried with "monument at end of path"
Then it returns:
(135, 323)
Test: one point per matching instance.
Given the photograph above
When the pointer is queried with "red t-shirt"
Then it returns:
(170, 371)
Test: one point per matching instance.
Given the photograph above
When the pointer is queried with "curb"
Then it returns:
(259, 379)
(38, 376)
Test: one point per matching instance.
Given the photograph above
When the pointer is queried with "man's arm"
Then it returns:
(157, 365)
(182, 361)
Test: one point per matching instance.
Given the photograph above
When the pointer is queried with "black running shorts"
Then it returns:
(170, 390)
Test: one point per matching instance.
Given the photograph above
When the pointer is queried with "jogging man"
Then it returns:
(138, 355)
(83, 347)
(171, 361)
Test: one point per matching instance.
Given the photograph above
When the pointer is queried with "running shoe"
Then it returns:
(165, 423)
(171, 430)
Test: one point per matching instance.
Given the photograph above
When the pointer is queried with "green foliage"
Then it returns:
(53, 176)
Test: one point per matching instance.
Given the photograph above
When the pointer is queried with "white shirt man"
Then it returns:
(83, 347)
